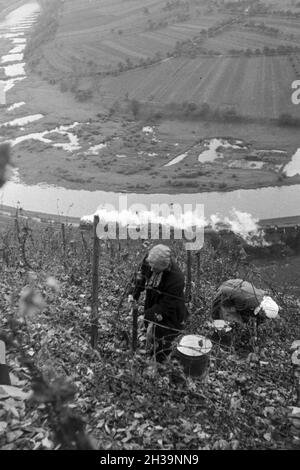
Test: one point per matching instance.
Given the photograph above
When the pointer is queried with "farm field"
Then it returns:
(285, 25)
(97, 37)
(258, 86)
(244, 39)
(104, 35)
(66, 84)
(287, 5)
(103, 16)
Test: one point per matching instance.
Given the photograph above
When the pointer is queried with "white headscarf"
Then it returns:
(269, 307)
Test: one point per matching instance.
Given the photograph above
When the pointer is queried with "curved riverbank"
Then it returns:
(264, 203)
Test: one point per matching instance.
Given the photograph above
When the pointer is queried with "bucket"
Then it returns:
(193, 353)
(222, 333)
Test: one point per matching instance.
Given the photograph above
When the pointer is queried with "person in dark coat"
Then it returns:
(238, 301)
(164, 305)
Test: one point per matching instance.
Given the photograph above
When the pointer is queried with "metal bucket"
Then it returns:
(193, 353)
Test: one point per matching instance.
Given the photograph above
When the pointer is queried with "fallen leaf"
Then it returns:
(13, 436)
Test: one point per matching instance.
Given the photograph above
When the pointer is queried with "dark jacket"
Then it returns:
(167, 299)
(241, 295)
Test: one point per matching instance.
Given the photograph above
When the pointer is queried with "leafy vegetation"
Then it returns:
(114, 398)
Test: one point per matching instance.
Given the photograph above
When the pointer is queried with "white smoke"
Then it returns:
(240, 223)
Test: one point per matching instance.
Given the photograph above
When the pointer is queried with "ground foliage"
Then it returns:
(118, 399)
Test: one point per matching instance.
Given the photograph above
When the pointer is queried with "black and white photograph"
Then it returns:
(149, 228)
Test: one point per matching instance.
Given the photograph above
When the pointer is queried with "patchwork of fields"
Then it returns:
(286, 25)
(102, 34)
(119, 37)
(95, 56)
(243, 39)
(258, 86)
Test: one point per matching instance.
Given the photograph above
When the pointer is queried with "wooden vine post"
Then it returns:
(188, 289)
(95, 285)
(135, 314)
(198, 267)
(17, 227)
(197, 280)
(63, 235)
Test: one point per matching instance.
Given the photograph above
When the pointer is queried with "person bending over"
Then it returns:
(164, 304)
(238, 301)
